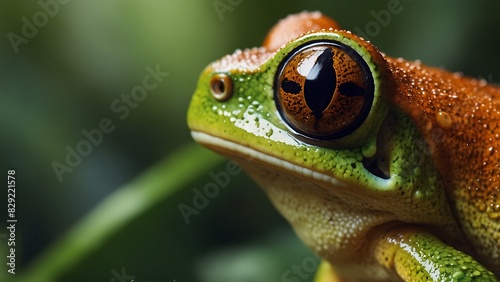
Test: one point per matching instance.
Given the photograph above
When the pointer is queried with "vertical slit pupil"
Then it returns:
(320, 83)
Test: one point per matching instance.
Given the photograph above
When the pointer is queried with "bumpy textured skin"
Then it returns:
(432, 220)
(408, 247)
(293, 26)
(459, 118)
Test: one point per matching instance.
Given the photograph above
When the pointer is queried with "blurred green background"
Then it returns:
(83, 55)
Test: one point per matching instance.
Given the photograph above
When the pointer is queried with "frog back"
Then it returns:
(459, 117)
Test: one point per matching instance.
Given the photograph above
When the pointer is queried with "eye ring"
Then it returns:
(323, 90)
(221, 87)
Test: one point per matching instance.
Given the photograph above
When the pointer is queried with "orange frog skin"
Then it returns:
(388, 169)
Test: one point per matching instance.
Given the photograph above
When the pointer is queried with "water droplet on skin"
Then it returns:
(493, 211)
(496, 207)
(444, 120)
(417, 195)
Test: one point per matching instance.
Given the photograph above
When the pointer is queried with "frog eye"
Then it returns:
(221, 87)
(324, 90)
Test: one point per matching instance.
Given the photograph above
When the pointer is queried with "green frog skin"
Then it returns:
(387, 169)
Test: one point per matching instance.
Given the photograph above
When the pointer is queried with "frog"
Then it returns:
(388, 169)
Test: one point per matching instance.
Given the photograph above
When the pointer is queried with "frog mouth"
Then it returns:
(240, 152)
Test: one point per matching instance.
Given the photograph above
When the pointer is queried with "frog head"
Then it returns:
(319, 119)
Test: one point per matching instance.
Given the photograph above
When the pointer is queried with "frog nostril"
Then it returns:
(221, 87)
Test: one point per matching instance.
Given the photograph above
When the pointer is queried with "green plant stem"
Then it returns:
(120, 208)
